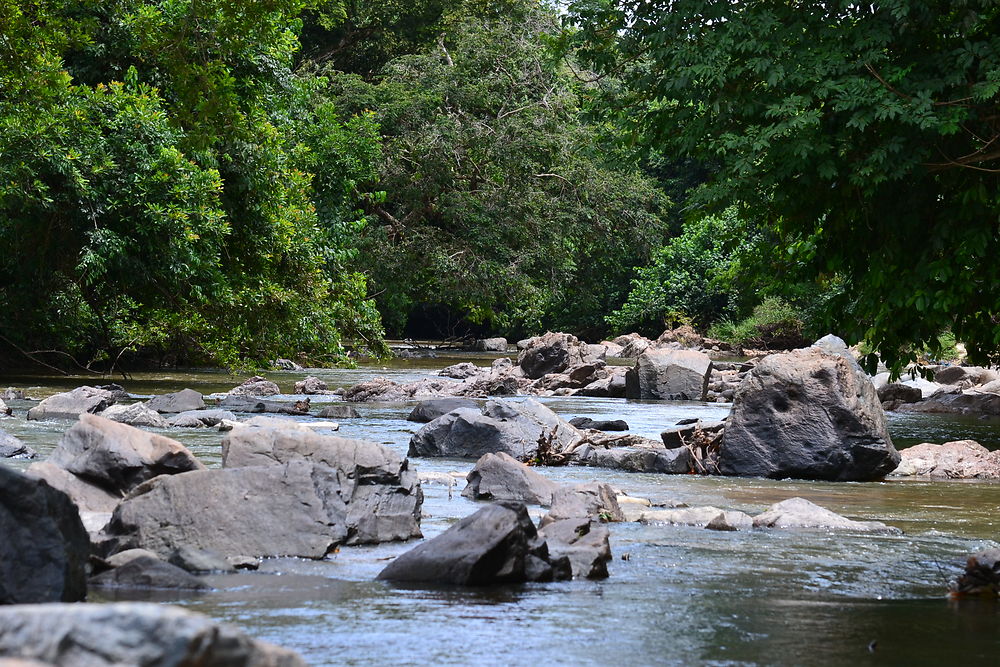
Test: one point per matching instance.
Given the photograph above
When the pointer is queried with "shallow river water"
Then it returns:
(682, 595)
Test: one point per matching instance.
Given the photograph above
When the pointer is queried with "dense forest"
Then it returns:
(224, 183)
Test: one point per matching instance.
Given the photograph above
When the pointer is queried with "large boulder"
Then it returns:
(502, 477)
(178, 401)
(119, 457)
(88, 497)
(897, 393)
(255, 386)
(13, 448)
(136, 414)
(962, 459)
(111, 635)
(551, 353)
(490, 345)
(310, 385)
(45, 548)
(502, 426)
(584, 542)
(382, 495)
(429, 410)
(71, 404)
(672, 375)
(800, 513)
(591, 500)
(807, 414)
(496, 545)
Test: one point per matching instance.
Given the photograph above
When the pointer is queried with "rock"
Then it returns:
(502, 477)
(429, 410)
(255, 386)
(119, 457)
(684, 335)
(197, 560)
(632, 345)
(87, 496)
(490, 345)
(460, 371)
(201, 418)
(503, 426)
(385, 390)
(981, 576)
(71, 404)
(599, 425)
(111, 635)
(807, 414)
(123, 557)
(970, 402)
(338, 412)
(496, 545)
(136, 414)
(898, 392)
(967, 376)
(584, 542)
(730, 521)
(695, 516)
(13, 448)
(147, 572)
(670, 375)
(255, 405)
(12, 394)
(679, 436)
(635, 459)
(834, 345)
(45, 548)
(800, 513)
(591, 500)
(178, 401)
(379, 492)
(551, 353)
(962, 459)
(286, 365)
(311, 385)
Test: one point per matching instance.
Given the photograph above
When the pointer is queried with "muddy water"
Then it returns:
(683, 596)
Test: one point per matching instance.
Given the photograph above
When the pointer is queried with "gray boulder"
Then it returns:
(255, 386)
(698, 516)
(503, 426)
(71, 404)
(490, 345)
(800, 513)
(970, 402)
(807, 414)
(638, 459)
(310, 385)
(502, 477)
(380, 494)
(136, 414)
(13, 448)
(427, 411)
(898, 393)
(147, 572)
(338, 412)
(599, 424)
(679, 436)
(88, 497)
(112, 635)
(671, 375)
(197, 560)
(551, 353)
(45, 548)
(496, 545)
(591, 500)
(286, 365)
(119, 457)
(178, 401)
(256, 405)
(962, 459)
(460, 371)
(584, 542)
(201, 418)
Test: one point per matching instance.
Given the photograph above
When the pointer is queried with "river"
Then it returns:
(684, 595)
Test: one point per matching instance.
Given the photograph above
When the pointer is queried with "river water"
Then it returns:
(682, 595)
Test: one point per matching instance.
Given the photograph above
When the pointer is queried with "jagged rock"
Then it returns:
(286, 365)
(381, 493)
(593, 500)
(599, 424)
(962, 459)
(146, 572)
(490, 345)
(111, 635)
(502, 477)
(684, 335)
(502, 426)
(670, 375)
(255, 386)
(385, 390)
(981, 576)
(178, 401)
(13, 448)
(632, 345)
(428, 411)
(800, 513)
(807, 414)
(45, 548)
(119, 457)
(71, 404)
(460, 371)
(201, 418)
(338, 412)
(87, 496)
(730, 521)
(310, 385)
(636, 459)
(584, 542)
(136, 414)
(551, 353)
(496, 545)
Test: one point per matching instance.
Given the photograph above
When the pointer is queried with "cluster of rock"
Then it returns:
(967, 390)
(961, 459)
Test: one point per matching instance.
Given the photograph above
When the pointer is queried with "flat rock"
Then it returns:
(698, 516)
(253, 404)
(112, 635)
(969, 402)
(136, 414)
(961, 459)
(178, 401)
(599, 424)
(201, 418)
(502, 477)
(71, 404)
(800, 513)
(45, 547)
(148, 572)
(638, 459)
(429, 410)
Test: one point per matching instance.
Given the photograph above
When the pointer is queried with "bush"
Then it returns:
(774, 324)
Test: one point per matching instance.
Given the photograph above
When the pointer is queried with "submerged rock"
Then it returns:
(201, 418)
(502, 477)
(800, 513)
(146, 572)
(807, 414)
(706, 517)
(496, 545)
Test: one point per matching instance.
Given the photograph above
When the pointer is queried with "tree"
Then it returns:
(865, 135)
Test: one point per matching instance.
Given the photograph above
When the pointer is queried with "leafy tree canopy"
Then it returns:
(866, 135)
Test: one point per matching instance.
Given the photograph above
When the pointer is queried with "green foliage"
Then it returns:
(865, 135)
(774, 324)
